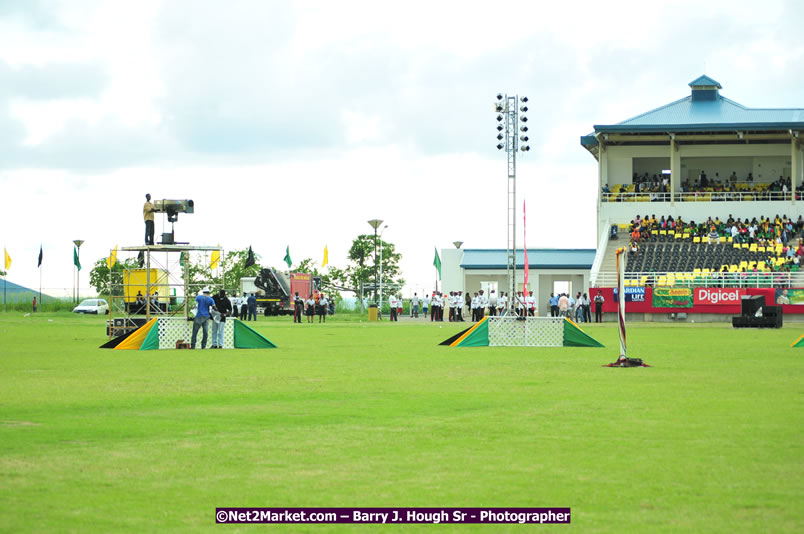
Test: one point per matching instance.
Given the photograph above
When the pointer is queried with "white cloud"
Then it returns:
(273, 115)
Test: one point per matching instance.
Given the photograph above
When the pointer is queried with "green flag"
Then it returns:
(75, 258)
(287, 257)
(437, 263)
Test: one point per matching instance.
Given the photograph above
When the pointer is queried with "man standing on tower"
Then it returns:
(148, 215)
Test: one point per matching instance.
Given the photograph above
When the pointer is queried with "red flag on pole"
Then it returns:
(525, 245)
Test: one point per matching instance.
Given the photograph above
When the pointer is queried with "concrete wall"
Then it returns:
(451, 272)
(695, 211)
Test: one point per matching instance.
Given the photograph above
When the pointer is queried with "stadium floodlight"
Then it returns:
(508, 108)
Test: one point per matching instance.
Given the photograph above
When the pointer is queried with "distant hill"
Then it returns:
(16, 288)
(15, 292)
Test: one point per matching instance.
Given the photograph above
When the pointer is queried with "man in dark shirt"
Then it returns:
(252, 307)
(225, 309)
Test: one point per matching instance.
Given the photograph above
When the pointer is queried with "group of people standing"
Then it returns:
(315, 304)
(245, 307)
(578, 307)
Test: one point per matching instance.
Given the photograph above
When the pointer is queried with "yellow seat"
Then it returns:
(696, 239)
(662, 232)
(736, 245)
(753, 247)
(686, 236)
(678, 236)
(761, 249)
(748, 197)
(745, 245)
(730, 239)
(697, 270)
(762, 265)
(722, 239)
(671, 232)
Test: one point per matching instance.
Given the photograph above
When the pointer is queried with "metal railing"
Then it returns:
(698, 196)
(702, 279)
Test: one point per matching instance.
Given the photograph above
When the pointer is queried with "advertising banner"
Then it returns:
(632, 294)
(672, 297)
(714, 296)
(789, 296)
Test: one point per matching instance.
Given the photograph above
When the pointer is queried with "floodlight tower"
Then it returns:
(512, 127)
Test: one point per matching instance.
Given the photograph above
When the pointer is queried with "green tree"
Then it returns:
(233, 266)
(359, 274)
(99, 276)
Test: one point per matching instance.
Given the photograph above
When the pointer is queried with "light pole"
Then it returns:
(78, 243)
(509, 133)
(383, 229)
(375, 223)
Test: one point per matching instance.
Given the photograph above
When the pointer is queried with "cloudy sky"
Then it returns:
(293, 123)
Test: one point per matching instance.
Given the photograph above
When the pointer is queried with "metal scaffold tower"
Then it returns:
(509, 116)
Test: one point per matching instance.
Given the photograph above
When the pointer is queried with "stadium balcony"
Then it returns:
(743, 192)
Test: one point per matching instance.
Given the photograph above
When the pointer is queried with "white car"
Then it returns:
(93, 306)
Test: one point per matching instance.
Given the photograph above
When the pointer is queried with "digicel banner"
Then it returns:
(714, 296)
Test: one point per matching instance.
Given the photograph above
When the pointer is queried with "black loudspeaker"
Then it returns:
(773, 315)
(750, 304)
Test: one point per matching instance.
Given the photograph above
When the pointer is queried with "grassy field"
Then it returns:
(363, 414)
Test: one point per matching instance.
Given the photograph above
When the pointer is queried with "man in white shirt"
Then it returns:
(473, 305)
(530, 304)
(492, 303)
(482, 304)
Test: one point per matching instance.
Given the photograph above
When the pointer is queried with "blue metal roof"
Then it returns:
(715, 113)
(704, 81)
(539, 258)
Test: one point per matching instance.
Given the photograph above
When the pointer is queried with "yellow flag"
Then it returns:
(326, 257)
(8, 259)
(112, 259)
(215, 259)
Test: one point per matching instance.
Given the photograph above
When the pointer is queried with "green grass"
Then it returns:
(363, 414)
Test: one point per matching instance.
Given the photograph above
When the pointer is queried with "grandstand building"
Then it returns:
(703, 159)
(740, 151)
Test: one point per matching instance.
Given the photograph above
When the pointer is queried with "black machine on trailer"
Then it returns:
(276, 290)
